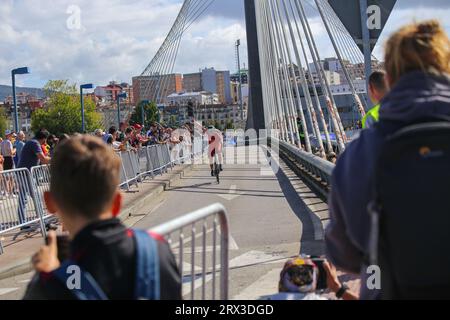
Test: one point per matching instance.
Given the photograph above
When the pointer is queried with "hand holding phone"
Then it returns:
(62, 245)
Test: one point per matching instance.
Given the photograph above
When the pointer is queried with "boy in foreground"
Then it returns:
(84, 195)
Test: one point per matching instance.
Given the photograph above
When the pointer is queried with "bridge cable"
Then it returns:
(320, 4)
(312, 82)
(329, 98)
(306, 92)
(290, 75)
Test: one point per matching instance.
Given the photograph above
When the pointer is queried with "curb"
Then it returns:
(147, 200)
(24, 266)
(16, 269)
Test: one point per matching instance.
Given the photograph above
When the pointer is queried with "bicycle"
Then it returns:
(216, 168)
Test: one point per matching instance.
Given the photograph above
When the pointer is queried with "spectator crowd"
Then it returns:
(125, 138)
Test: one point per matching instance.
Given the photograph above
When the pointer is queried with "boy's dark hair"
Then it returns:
(85, 173)
(378, 80)
(112, 130)
(42, 134)
(129, 130)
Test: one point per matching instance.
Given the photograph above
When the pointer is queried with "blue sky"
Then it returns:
(118, 38)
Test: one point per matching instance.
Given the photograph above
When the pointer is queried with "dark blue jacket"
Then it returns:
(416, 96)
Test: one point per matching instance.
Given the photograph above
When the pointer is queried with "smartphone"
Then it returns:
(322, 280)
(63, 245)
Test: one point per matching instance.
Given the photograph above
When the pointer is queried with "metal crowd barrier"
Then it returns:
(41, 181)
(129, 174)
(147, 161)
(202, 227)
(20, 206)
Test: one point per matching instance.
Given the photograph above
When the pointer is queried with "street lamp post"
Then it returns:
(119, 96)
(82, 87)
(23, 70)
(238, 44)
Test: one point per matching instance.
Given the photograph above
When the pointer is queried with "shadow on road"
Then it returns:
(309, 244)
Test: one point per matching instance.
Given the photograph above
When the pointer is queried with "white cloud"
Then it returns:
(118, 38)
(116, 41)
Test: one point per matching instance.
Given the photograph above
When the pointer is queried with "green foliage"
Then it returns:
(229, 125)
(3, 122)
(217, 125)
(151, 114)
(173, 122)
(62, 113)
(60, 86)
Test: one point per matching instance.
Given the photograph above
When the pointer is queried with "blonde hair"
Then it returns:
(422, 46)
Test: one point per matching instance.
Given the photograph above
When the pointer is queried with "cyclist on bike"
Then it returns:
(215, 146)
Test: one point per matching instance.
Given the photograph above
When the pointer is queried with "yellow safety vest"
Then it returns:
(371, 117)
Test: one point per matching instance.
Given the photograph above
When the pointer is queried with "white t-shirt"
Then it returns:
(6, 148)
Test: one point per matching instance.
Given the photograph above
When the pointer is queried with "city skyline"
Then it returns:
(111, 46)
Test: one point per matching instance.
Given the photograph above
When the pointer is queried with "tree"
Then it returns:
(229, 125)
(3, 122)
(174, 122)
(151, 113)
(61, 86)
(217, 125)
(62, 113)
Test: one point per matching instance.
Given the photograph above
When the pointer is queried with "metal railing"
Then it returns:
(41, 181)
(182, 236)
(145, 162)
(318, 171)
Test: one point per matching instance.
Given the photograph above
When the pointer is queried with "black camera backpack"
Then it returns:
(410, 239)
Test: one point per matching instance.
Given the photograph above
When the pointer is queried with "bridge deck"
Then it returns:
(270, 220)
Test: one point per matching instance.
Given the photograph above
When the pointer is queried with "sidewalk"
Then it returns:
(138, 203)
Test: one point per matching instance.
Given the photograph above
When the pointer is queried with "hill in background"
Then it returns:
(6, 91)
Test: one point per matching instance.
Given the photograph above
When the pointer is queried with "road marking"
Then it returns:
(264, 286)
(232, 245)
(252, 258)
(25, 281)
(188, 267)
(198, 249)
(187, 282)
(232, 194)
(248, 259)
(7, 290)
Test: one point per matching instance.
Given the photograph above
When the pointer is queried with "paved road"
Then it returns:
(269, 222)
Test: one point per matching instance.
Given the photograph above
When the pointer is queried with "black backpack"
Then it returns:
(410, 239)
